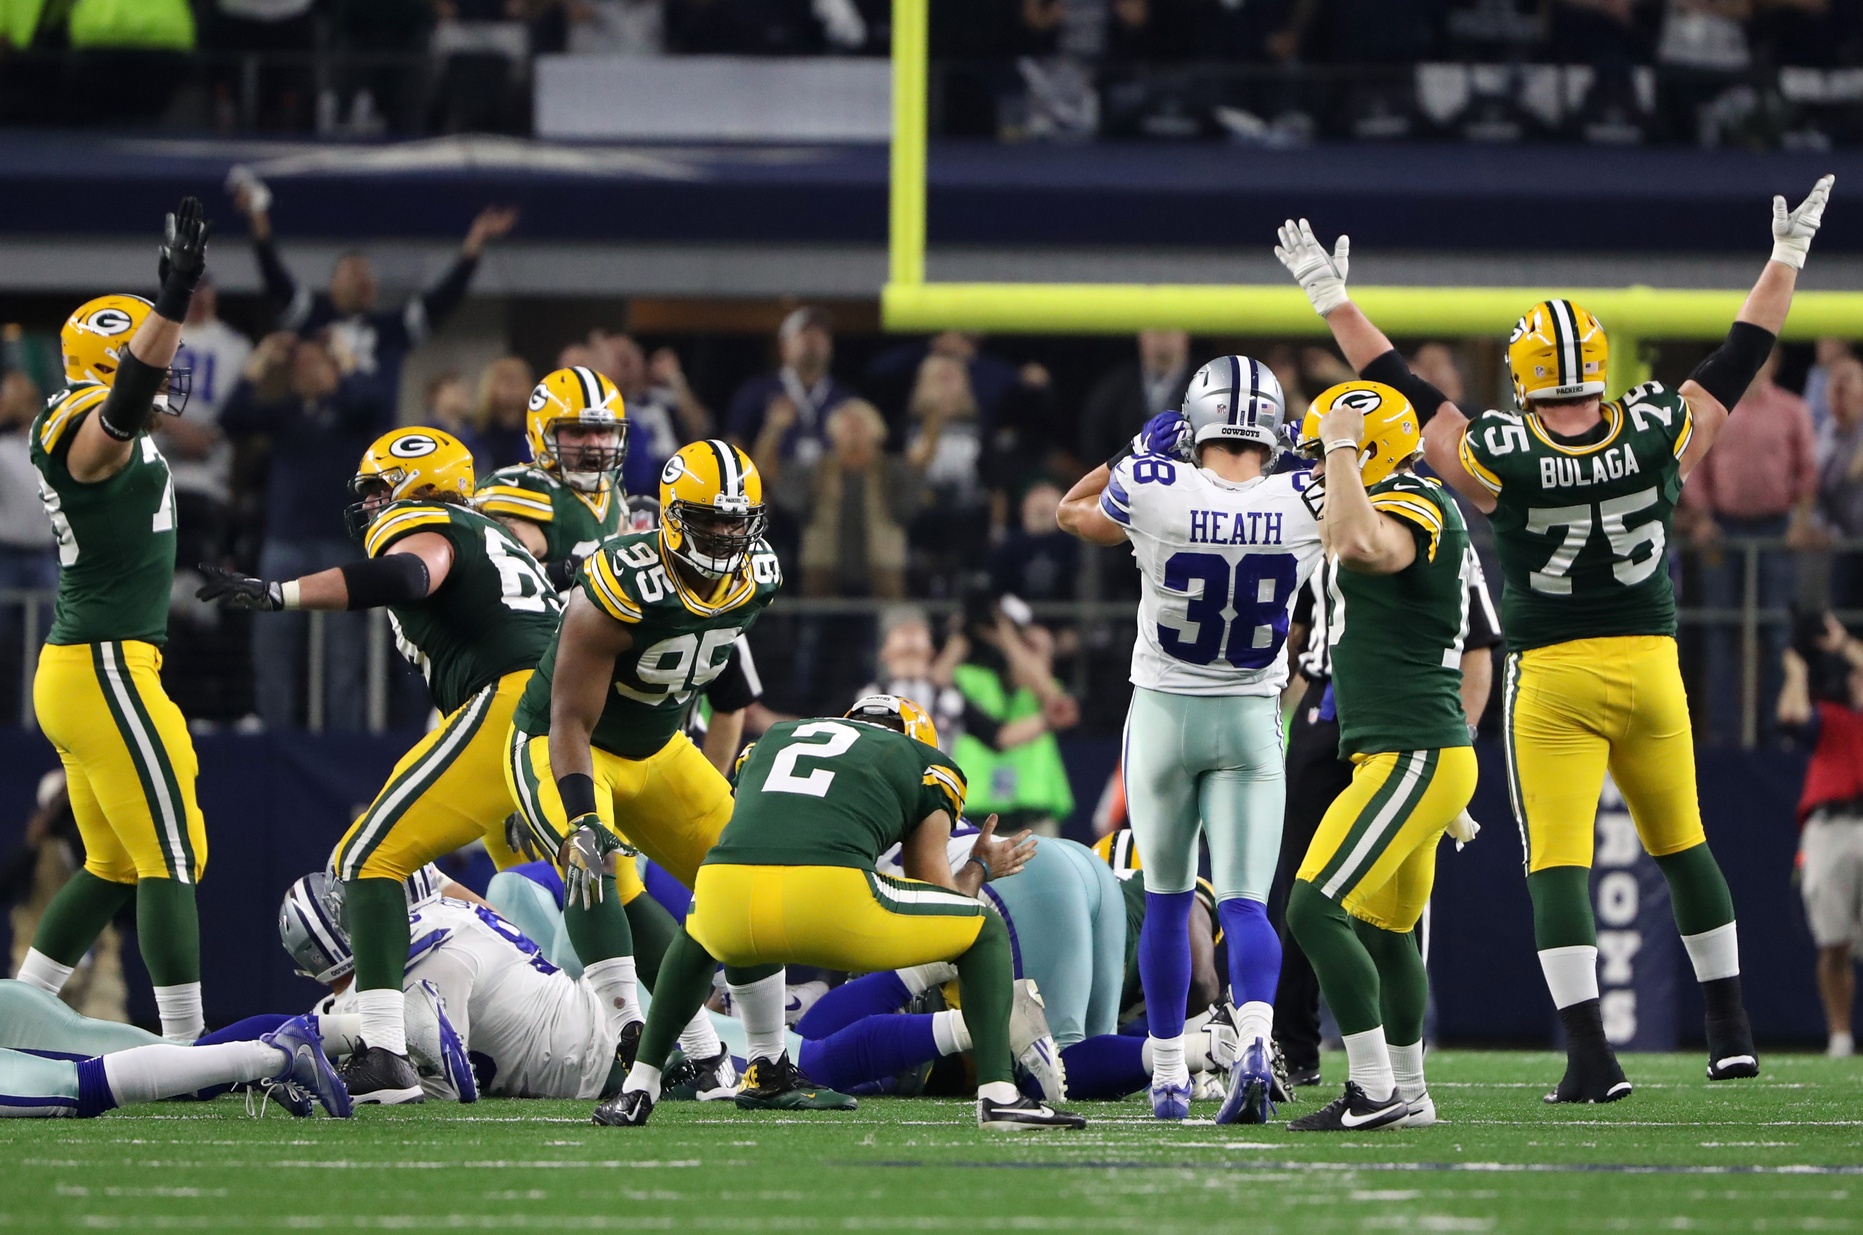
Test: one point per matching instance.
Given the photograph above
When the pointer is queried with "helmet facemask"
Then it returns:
(715, 540)
(374, 493)
(585, 464)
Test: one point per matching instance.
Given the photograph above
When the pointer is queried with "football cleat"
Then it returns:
(1219, 1032)
(1283, 1088)
(627, 1045)
(376, 1077)
(778, 1085)
(1422, 1112)
(1037, 1055)
(1354, 1111)
(1590, 1076)
(1169, 1101)
(1024, 1115)
(307, 1070)
(1301, 1077)
(628, 1109)
(435, 1048)
(1730, 1048)
(701, 1080)
(1251, 1084)
(1209, 1086)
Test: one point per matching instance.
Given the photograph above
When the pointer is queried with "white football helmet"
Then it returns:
(1237, 399)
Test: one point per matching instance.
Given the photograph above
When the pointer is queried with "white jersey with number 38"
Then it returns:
(1222, 563)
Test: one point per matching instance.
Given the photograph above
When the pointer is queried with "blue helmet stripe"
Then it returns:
(1235, 391)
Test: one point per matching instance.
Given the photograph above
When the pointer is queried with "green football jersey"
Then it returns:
(1582, 525)
(834, 793)
(573, 522)
(682, 640)
(116, 537)
(1397, 638)
(494, 614)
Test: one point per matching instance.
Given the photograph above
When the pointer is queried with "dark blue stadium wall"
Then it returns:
(276, 804)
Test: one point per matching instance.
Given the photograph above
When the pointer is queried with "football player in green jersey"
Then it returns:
(1398, 615)
(471, 608)
(1580, 491)
(598, 760)
(566, 500)
(97, 692)
(792, 880)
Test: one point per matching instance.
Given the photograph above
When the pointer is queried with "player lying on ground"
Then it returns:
(41, 1074)
(471, 608)
(1582, 496)
(792, 880)
(1214, 534)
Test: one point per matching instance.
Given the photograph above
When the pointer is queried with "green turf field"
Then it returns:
(1781, 1153)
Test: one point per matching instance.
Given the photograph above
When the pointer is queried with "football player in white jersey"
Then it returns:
(528, 1029)
(1224, 547)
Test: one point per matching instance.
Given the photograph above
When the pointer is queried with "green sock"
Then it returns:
(377, 916)
(685, 983)
(1562, 908)
(168, 930)
(1348, 976)
(654, 931)
(1697, 890)
(78, 914)
(1403, 982)
(600, 932)
(985, 981)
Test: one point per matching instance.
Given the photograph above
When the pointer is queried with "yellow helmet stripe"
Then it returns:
(609, 592)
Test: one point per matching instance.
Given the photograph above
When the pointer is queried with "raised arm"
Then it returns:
(1361, 536)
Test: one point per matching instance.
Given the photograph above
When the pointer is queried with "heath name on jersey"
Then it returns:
(1222, 562)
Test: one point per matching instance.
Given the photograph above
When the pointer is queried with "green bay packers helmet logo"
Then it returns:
(108, 321)
(1521, 330)
(539, 398)
(674, 469)
(412, 446)
(1362, 401)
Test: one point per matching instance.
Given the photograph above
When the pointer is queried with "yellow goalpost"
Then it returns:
(909, 303)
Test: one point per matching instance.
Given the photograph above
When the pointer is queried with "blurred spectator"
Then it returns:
(1823, 709)
(1037, 560)
(616, 27)
(273, 28)
(1761, 484)
(852, 506)
(764, 27)
(1149, 31)
(448, 406)
(779, 417)
(1015, 404)
(1124, 399)
(1825, 353)
(1436, 364)
(1703, 51)
(1840, 476)
(1813, 33)
(944, 445)
(896, 370)
(379, 341)
(662, 412)
(49, 854)
(26, 557)
(319, 421)
(199, 457)
(910, 667)
(1013, 706)
(380, 89)
(498, 411)
(1360, 31)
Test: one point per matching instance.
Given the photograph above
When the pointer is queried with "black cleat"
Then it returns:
(1299, 1076)
(1355, 1111)
(701, 1080)
(1592, 1074)
(778, 1085)
(1283, 1088)
(1025, 1115)
(376, 1077)
(1730, 1048)
(628, 1109)
(627, 1046)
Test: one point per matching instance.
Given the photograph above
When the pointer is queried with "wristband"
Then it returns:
(577, 790)
(1343, 443)
(980, 862)
(288, 593)
(1791, 251)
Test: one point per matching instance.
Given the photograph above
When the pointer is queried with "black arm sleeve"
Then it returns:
(1729, 368)
(1393, 372)
(279, 284)
(562, 571)
(394, 579)
(126, 409)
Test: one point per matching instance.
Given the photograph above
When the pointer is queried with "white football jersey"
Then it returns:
(1222, 563)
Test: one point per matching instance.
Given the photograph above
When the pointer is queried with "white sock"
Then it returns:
(1571, 974)
(642, 1077)
(761, 1006)
(384, 1019)
(149, 1073)
(44, 972)
(1715, 954)
(999, 1092)
(1368, 1061)
(1254, 1020)
(615, 983)
(180, 1009)
(950, 1032)
(699, 1039)
(1841, 1046)
(340, 1032)
(1167, 1061)
(921, 978)
(1407, 1068)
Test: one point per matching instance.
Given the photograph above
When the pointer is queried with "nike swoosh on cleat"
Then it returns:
(1347, 1119)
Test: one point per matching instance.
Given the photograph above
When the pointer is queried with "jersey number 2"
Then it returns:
(1261, 585)
(783, 778)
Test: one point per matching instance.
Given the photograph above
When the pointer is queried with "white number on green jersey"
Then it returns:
(164, 519)
(680, 665)
(783, 779)
(523, 585)
(61, 526)
(1552, 579)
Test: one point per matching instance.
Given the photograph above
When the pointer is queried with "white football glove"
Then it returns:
(259, 196)
(1792, 230)
(1321, 275)
(1464, 829)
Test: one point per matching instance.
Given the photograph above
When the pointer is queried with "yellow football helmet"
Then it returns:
(1393, 434)
(1119, 851)
(404, 463)
(94, 339)
(578, 396)
(898, 713)
(1557, 351)
(711, 507)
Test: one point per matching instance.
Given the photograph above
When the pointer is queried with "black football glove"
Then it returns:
(237, 591)
(183, 258)
(562, 572)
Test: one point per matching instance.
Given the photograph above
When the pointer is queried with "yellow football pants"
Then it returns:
(672, 805)
(833, 916)
(128, 760)
(1575, 710)
(1375, 850)
(447, 791)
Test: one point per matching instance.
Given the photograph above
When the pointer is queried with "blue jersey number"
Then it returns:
(1261, 584)
(516, 938)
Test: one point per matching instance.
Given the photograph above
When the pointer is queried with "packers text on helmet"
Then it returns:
(1393, 434)
(404, 463)
(1557, 351)
(96, 336)
(577, 427)
(711, 507)
(898, 713)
